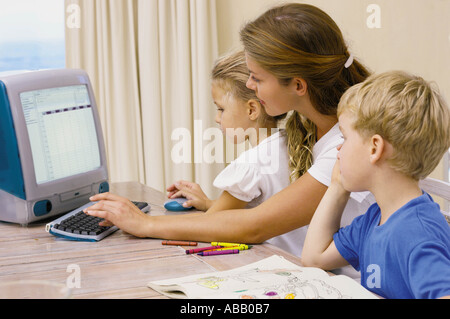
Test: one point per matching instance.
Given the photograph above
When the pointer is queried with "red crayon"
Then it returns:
(219, 252)
(179, 243)
(197, 250)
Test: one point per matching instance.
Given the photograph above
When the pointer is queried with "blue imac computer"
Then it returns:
(52, 153)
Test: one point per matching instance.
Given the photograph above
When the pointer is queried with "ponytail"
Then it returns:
(301, 137)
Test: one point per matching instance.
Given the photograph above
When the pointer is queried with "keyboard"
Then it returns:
(76, 225)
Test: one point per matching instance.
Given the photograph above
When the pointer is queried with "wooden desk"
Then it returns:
(119, 266)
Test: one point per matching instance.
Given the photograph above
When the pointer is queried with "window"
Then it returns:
(31, 34)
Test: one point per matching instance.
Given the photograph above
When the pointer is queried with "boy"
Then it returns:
(396, 128)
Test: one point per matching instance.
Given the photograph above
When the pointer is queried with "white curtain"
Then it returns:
(149, 62)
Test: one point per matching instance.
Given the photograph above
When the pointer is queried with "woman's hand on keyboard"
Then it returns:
(121, 212)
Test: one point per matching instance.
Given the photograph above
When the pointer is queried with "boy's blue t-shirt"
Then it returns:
(406, 257)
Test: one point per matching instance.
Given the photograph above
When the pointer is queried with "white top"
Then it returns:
(258, 173)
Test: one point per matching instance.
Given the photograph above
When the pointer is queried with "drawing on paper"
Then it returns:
(273, 277)
(292, 286)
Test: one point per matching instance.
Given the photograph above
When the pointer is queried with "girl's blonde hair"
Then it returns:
(300, 40)
(408, 112)
(231, 73)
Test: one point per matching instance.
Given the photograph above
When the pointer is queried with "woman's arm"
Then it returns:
(287, 210)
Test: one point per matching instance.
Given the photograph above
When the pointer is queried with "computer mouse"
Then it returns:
(176, 204)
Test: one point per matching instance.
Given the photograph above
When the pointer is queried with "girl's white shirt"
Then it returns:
(257, 173)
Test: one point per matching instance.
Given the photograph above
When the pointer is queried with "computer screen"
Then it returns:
(62, 132)
(52, 153)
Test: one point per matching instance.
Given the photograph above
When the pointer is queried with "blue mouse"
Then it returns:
(176, 204)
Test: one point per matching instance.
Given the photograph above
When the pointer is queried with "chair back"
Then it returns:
(439, 188)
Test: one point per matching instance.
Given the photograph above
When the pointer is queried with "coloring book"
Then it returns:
(270, 278)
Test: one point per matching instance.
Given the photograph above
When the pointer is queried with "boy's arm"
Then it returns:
(225, 202)
(319, 249)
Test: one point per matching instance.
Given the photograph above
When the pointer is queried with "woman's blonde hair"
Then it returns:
(300, 40)
(231, 73)
(408, 112)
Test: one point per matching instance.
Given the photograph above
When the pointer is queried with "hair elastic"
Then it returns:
(349, 61)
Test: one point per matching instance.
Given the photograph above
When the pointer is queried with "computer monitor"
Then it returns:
(52, 153)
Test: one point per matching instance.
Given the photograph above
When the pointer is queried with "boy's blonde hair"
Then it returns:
(408, 112)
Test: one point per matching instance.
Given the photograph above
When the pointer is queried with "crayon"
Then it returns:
(223, 252)
(241, 247)
(197, 250)
(215, 243)
(179, 243)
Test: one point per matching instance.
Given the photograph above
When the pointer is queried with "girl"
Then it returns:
(298, 62)
(261, 171)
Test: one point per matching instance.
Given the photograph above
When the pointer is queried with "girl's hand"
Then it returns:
(119, 211)
(191, 191)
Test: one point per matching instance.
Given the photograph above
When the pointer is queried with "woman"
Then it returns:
(298, 61)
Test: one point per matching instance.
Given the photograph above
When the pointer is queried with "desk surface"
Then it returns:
(119, 266)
